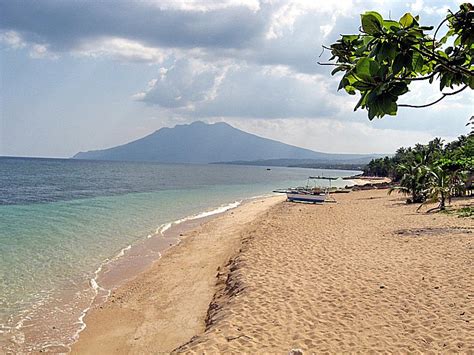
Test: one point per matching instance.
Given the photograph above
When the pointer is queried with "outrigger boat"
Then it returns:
(307, 196)
(310, 194)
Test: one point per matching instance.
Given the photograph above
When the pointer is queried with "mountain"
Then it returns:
(199, 142)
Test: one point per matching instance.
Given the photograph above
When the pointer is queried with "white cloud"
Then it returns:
(283, 20)
(230, 89)
(249, 62)
(123, 50)
(332, 135)
(206, 5)
(12, 39)
(42, 51)
(185, 84)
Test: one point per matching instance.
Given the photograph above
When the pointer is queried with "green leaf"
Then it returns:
(377, 15)
(343, 83)
(350, 89)
(398, 64)
(392, 109)
(444, 82)
(471, 82)
(361, 102)
(387, 105)
(371, 22)
(398, 88)
(406, 20)
(391, 25)
(338, 69)
(349, 38)
(372, 112)
(417, 62)
(408, 61)
(457, 41)
(366, 68)
(387, 50)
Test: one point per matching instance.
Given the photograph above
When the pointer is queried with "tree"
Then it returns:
(431, 172)
(411, 181)
(387, 56)
(441, 184)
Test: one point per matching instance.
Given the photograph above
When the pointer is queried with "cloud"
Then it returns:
(230, 59)
(267, 32)
(332, 135)
(122, 50)
(230, 89)
(67, 25)
(183, 85)
(12, 39)
(205, 5)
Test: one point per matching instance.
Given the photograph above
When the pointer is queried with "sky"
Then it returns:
(82, 75)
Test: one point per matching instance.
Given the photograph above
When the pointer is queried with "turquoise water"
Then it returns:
(60, 220)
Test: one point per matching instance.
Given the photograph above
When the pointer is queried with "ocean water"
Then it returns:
(61, 221)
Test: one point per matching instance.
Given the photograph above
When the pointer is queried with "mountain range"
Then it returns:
(203, 143)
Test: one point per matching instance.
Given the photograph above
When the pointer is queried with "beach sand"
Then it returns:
(372, 181)
(166, 305)
(365, 274)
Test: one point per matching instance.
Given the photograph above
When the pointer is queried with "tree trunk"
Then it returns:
(442, 203)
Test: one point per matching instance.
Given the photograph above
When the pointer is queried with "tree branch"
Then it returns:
(421, 106)
(455, 92)
(434, 102)
(414, 79)
(441, 61)
(437, 29)
(332, 64)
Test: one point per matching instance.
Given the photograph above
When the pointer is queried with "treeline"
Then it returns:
(459, 152)
(435, 171)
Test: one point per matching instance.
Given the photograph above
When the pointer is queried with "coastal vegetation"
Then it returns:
(380, 63)
(386, 56)
(431, 172)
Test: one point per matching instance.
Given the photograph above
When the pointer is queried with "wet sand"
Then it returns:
(365, 274)
(166, 305)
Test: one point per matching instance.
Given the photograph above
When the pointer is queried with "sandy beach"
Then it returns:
(367, 273)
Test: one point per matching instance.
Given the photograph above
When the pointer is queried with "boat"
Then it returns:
(324, 178)
(310, 194)
(307, 196)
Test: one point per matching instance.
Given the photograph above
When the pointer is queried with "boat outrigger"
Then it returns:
(307, 196)
(310, 194)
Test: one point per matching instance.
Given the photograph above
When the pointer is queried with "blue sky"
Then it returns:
(82, 75)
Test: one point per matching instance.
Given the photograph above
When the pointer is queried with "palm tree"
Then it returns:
(410, 183)
(441, 184)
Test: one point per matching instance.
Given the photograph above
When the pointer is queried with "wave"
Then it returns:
(93, 282)
(95, 293)
(221, 209)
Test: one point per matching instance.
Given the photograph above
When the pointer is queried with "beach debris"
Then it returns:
(230, 338)
(295, 352)
(436, 231)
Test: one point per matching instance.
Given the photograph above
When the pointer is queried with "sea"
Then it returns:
(71, 230)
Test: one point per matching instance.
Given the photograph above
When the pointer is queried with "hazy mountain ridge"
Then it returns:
(204, 143)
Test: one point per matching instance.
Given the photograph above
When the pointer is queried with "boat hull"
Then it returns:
(306, 197)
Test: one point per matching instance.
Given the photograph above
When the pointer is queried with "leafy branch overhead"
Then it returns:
(382, 60)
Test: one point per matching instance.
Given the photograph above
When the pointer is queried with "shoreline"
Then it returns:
(113, 272)
(237, 305)
(213, 226)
